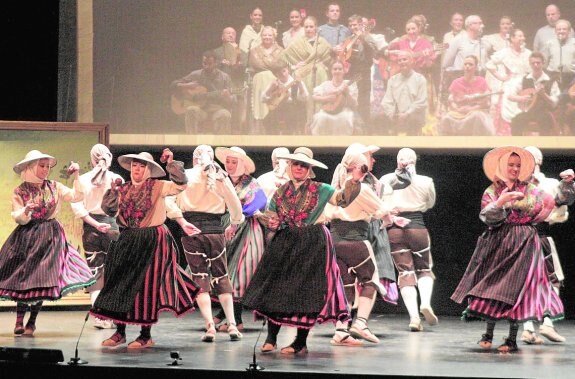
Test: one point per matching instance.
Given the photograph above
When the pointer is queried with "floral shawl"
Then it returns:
(522, 212)
(135, 202)
(45, 196)
(301, 206)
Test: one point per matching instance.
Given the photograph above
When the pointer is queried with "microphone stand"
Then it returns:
(248, 86)
(76, 360)
(254, 366)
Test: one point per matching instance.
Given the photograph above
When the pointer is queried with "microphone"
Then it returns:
(76, 360)
(254, 366)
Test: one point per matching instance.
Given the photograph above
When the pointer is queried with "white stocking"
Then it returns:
(409, 295)
(205, 305)
(425, 286)
(227, 302)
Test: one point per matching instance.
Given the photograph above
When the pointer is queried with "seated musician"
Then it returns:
(405, 101)
(468, 104)
(338, 99)
(537, 96)
(204, 95)
(286, 98)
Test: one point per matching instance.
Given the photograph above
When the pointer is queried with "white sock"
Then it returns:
(547, 321)
(409, 295)
(528, 326)
(425, 286)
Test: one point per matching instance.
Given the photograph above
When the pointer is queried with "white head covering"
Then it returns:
(349, 160)
(101, 159)
(204, 156)
(280, 165)
(245, 163)
(407, 155)
(537, 154)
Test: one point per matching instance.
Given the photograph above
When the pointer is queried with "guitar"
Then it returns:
(280, 94)
(337, 105)
(469, 100)
(389, 67)
(198, 96)
(533, 93)
(347, 45)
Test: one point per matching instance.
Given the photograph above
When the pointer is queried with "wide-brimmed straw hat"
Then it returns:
(31, 156)
(156, 171)
(305, 155)
(236, 152)
(491, 161)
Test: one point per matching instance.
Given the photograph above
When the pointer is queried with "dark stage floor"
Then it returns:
(446, 350)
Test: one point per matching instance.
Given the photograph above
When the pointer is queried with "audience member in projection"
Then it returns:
(99, 229)
(37, 263)
(507, 278)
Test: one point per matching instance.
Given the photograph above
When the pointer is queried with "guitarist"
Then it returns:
(286, 97)
(358, 51)
(468, 104)
(537, 95)
(204, 95)
(338, 100)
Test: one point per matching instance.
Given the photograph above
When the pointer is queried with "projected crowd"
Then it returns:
(327, 76)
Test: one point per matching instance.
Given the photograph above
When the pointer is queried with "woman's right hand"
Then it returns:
(509, 197)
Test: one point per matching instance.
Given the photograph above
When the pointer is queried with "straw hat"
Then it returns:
(491, 161)
(305, 155)
(156, 171)
(31, 156)
(236, 152)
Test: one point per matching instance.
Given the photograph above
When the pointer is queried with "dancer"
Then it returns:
(410, 244)
(506, 278)
(154, 281)
(99, 229)
(297, 282)
(559, 214)
(245, 244)
(200, 210)
(350, 229)
(36, 262)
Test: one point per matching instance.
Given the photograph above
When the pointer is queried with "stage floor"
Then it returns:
(448, 349)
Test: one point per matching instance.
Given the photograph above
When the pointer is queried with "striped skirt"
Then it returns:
(244, 253)
(37, 263)
(297, 282)
(143, 277)
(507, 278)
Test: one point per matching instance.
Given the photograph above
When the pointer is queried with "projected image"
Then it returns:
(352, 68)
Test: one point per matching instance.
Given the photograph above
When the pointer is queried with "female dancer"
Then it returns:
(506, 278)
(245, 241)
(36, 262)
(155, 281)
(297, 282)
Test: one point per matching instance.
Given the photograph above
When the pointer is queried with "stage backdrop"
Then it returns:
(140, 46)
(64, 141)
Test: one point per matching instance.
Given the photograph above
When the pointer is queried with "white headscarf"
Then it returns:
(204, 156)
(350, 159)
(280, 165)
(407, 155)
(101, 159)
(501, 171)
(29, 173)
